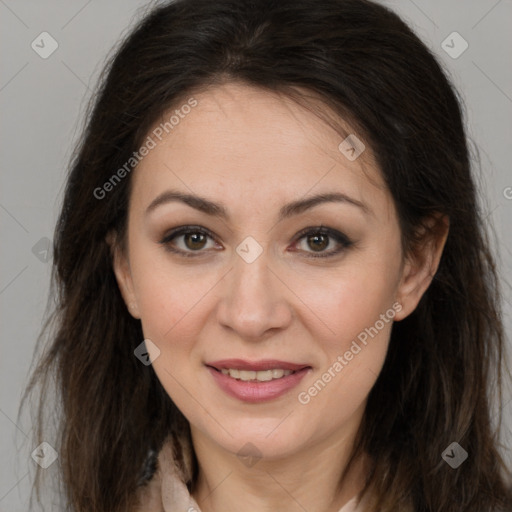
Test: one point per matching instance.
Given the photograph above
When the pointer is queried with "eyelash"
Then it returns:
(339, 237)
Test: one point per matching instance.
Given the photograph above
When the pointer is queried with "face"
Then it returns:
(271, 311)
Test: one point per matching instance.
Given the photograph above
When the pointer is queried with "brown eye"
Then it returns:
(188, 241)
(318, 242)
(195, 241)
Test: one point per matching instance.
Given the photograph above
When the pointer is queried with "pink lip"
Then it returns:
(254, 392)
(264, 364)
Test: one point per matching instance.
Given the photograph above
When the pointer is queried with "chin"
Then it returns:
(260, 441)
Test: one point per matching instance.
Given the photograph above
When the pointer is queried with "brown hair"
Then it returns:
(444, 360)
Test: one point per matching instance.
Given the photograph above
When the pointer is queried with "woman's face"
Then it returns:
(253, 286)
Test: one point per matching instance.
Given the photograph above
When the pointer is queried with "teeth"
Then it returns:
(261, 376)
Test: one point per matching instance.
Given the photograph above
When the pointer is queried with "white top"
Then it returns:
(167, 490)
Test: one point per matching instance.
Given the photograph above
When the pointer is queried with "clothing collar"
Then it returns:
(169, 488)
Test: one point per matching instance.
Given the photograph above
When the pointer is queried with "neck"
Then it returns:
(307, 480)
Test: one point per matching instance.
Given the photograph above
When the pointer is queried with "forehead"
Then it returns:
(239, 139)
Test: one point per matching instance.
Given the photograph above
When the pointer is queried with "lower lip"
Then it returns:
(255, 392)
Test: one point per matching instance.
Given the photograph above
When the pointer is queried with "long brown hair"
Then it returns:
(444, 360)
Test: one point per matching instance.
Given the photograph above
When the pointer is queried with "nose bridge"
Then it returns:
(254, 300)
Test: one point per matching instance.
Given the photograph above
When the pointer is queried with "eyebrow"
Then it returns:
(288, 210)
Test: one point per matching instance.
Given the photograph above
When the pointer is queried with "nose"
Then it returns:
(254, 299)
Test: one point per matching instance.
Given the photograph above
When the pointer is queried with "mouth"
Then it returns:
(256, 381)
(259, 376)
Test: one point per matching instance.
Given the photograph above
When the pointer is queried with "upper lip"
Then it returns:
(261, 365)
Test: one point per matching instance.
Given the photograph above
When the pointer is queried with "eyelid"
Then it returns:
(184, 230)
(343, 240)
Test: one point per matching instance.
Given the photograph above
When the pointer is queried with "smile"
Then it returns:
(261, 376)
(259, 381)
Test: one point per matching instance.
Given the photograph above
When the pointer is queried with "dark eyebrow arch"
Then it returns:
(217, 210)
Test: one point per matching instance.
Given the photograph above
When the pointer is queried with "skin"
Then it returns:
(254, 151)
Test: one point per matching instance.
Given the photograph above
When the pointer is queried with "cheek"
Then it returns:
(353, 363)
(356, 319)
(348, 303)
(169, 296)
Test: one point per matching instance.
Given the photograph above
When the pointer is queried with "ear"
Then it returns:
(421, 263)
(121, 267)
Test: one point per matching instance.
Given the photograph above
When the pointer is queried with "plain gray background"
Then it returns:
(42, 103)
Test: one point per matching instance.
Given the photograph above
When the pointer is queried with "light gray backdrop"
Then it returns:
(44, 83)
